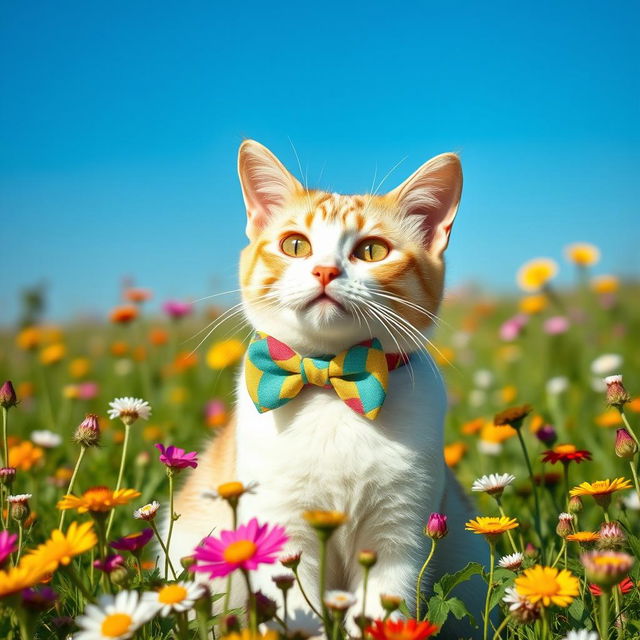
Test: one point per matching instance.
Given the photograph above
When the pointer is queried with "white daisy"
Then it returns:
(129, 409)
(115, 617)
(494, 483)
(556, 386)
(519, 607)
(147, 512)
(606, 364)
(581, 634)
(477, 397)
(179, 596)
(513, 561)
(339, 600)
(45, 438)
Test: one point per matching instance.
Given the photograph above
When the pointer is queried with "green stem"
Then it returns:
(565, 474)
(628, 426)
(138, 566)
(563, 548)
(634, 473)
(489, 589)
(323, 581)
(421, 574)
(304, 594)
(183, 626)
(545, 624)
(123, 460)
(336, 625)
(73, 576)
(72, 482)
(533, 486)
(203, 621)
(5, 439)
(365, 584)
(163, 547)
(227, 595)
(20, 534)
(618, 618)
(512, 542)
(503, 624)
(172, 519)
(252, 618)
(604, 615)
(4, 493)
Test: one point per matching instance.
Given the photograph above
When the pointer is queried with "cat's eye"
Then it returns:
(371, 250)
(296, 246)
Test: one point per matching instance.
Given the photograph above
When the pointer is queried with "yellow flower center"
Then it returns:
(171, 594)
(239, 551)
(546, 585)
(115, 624)
(565, 448)
(231, 490)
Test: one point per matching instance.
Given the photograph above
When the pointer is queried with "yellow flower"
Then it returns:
(453, 453)
(79, 367)
(25, 575)
(97, 499)
(224, 354)
(508, 394)
(152, 433)
(246, 634)
(472, 426)
(583, 254)
(29, 338)
(534, 275)
(443, 356)
(547, 586)
(330, 520)
(61, 548)
(25, 455)
(600, 487)
(492, 433)
(53, 353)
(533, 304)
(583, 537)
(178, 395)
(491, 526)
(609, 418)
(605, 284)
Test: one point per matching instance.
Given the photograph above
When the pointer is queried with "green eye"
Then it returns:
(372, 250)
(296, 246)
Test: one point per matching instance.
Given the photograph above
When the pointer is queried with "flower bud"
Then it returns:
(612, 537)
(530, 551)
(19, 504)
(436, 526)
(390, 603)
(8, 396)
(120, 575)
(284, 582)
(617, 395)
(565, 525)
(266, 608)
(367, 558)
(575, 504)
(547, 434)
(232, 624)
(187, 561)
(7, 476)
(291, 561)
(88, 432)
(625, 446)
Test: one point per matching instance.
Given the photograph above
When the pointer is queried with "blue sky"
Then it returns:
(120, 123)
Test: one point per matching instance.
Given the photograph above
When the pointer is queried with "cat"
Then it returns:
(323, 272)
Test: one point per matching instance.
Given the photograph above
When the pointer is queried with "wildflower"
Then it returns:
(582, 634)
(133, 542)
(124, 314)
(606, 364)
(8, 396)
(512, 328)
(177, 309)
(147, 512)
(97, 499)
(53, 354)
(513, 416)
(557, 385)
(38, 599)
(61, 547)
(284, 581)
(115, 617)
(110, 563)
(453, 453)
(7, 475)
(535, 274)
(225, 353)
(605, 284)
(176, 597)
(291, 561)
(472, 426)
(631, 501)
(530, 551)
(606, 568)
(531, 305)
(547, 434)
(25, 455)
(368, 558)
(582, 253)
(491, 527)
(617, 395)
(483, 378)
(520, 607)
(584, 538)
(249, 546)
(565, 525)
(624, 586)
(493, 484)
(601, 490)
(389, 602)
(325, 522)
(401, 630)
(79, 367)
(512, 561)
(88, 432)
(137, 295)
(436, 526)
(625, 446)
(247, 634)
(19, 506)
(489, 447)
(176, 458)
(575, 504)
(216, 413)
(565, 453)
(556, 325)
(46, 439)
(24, 575)
(7, 545)
(129, 409)
(547, 586)
(611, 536)
(339, 600)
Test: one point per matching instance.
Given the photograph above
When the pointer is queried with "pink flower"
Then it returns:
(39, 598)
(512, 327)
(177, 309)
(7, 545)
(133, 542)
(87, 390)
(436, 526)
(110, 563)
(245, 548)
(556, 325)
(176, 458)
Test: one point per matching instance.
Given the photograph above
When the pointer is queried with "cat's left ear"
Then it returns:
(433, 192)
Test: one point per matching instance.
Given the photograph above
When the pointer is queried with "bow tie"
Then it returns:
(275, 374)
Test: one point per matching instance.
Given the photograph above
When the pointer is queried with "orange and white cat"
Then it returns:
(323, 272)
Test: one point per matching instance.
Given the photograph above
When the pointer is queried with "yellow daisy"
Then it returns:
(97, 499)
(25, 575)
(600, 487)
(534, 275)
(547, 586)
(62, 547)
(490, 526)
(225, 353)
(584, 537)
(582, 253)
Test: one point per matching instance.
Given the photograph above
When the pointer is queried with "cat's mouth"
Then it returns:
(325, 299)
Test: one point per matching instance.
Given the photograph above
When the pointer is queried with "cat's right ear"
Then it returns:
(266, 184)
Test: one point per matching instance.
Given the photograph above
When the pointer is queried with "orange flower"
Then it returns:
(443, 356)
(532, 305)
(124, 314)
(29, 338)
(401, 630)
(453, 453)
(634, 405)
(584, 537)
(119, 349)
(492, 433)
(25, 455)
(508, 394)
(158, 337)
(184, 360)
(137, 295)
(605, 284)
(472, 426)
(97, 499)
(600, 487)
(609, 418)
(79, 367)
(53, 353)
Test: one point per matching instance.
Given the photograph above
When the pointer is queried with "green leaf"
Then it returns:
(448, 582)
(459, 610)
(576, 610)
(404, 610)
(438, 610)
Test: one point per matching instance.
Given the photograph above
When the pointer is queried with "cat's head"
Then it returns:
(325, 271)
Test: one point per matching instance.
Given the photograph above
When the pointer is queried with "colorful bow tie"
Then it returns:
(275, 374)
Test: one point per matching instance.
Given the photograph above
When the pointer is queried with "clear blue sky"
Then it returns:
(120, 121)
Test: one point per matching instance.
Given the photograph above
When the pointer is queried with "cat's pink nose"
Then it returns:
(326, 274)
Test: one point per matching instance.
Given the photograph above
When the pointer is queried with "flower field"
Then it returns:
(102, 421)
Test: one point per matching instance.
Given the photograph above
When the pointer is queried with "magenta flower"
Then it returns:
(38, 598)
(250, 545)
(556, 325)
(436, 526)
(133, 542)
(7, 545)
(177, 309)
(87, 390)
(176, 458)
(512, 327)
(110, 563)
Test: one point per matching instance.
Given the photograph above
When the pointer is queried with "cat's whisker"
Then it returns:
(436, 320)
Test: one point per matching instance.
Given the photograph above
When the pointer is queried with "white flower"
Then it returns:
(512, 561)
(557, 385)
(19, 498)
(611, 379)
(582, 634)
(493, 483)
(179, 596)
(129, 409)
(114, 617)
(46, 439)
(147, 512)
(598, 385)
(483, 378)
(606, 364)
(632, 501)
(489, 448)
(519, 607)
(339, 600)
